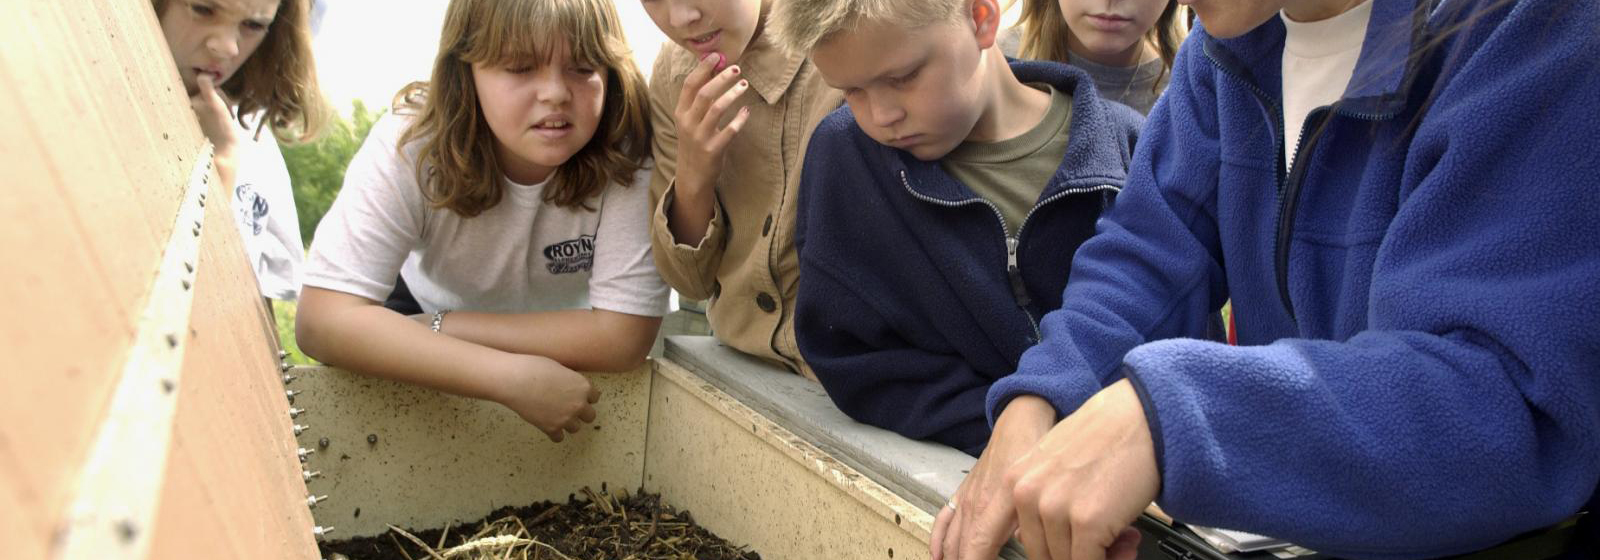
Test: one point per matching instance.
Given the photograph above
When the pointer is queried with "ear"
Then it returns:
(985, 16)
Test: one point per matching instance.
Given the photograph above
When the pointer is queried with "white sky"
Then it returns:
(369, 49)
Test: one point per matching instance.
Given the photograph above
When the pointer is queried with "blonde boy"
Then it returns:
(940, 209)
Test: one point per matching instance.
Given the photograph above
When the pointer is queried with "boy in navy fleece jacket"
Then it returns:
(1418, 295)
(939, 210)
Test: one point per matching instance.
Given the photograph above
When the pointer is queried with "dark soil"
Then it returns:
(598, 526)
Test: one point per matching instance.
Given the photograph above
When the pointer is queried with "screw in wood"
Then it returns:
(284, 366)
(172, 340)
(312, 501)
(304, 453)
(320, 532)
(283, 354)
(186, 284)
(127, 530)
(287, 379)
(298, 429)
(295, 412)
(291, 393)
(308, 475)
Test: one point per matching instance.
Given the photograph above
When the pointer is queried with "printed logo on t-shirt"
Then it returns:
(252, 208)
(570, 256)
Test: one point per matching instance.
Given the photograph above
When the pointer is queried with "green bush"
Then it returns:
(317, 168)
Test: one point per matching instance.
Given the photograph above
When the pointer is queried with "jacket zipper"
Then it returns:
(1014, 243)
(1019, 291)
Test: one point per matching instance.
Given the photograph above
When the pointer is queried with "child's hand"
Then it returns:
(705, 99)
(215, 118)
(216, 121)
(553, 398)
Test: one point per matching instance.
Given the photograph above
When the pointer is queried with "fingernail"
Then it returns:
(744, 83)
(736, 69)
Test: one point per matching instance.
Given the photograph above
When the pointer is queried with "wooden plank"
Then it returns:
(115, 493)
(232, 488)
(441, 459)
(753, 482)
(92, 185)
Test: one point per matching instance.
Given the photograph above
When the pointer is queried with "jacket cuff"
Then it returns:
(1064, 392)
(711, 243)
(1151, 417)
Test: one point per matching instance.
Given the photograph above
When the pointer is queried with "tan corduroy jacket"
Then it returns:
(746, 264)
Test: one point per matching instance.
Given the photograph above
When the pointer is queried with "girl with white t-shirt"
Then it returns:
(247, 65)
(510, 194)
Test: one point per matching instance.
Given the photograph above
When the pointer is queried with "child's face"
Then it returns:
(541, 113)
(1226, 19)
(708, 26)
(1106, 29)
(214, 36)
(920, 91)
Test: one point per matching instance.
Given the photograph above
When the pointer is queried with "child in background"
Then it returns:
(511, 188)
(1127, 46)
(724, 199)
(940, 209)
(247, 65)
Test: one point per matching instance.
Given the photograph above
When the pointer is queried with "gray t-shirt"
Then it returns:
(520, 256)
(1137, 86)
(1011, 173)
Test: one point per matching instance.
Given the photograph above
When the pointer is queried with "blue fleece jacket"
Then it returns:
(912, 299)
(1417, 301)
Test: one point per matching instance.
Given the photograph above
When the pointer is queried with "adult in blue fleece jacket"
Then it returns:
(1417, 299)
(913, 300)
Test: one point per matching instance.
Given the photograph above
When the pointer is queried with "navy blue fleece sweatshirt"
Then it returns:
(912, 298)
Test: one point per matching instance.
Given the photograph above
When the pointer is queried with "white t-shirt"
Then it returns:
(1319, 58)
(263, 208)
(520, 256)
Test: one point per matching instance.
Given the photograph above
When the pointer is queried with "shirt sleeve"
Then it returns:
(689, 265)
(264, 211)
(624, 278)
(374, 224)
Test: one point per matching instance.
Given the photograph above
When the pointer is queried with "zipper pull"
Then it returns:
(1018, 291)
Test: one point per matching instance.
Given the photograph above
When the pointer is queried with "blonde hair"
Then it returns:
(800, 25)
(280, 77)
(1044, 32)
(456, 162)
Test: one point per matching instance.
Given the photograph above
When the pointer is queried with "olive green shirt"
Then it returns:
(1010, 174)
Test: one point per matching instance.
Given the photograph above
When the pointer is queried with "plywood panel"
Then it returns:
(753, 482)
(93, 178)
(441, 459)
(232, 488)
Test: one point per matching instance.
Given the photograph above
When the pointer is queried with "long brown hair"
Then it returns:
(280, 77)
(456, 163)
(1044, 32)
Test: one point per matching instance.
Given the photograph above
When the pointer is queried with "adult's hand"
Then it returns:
(1019, 427)
(1078, 493)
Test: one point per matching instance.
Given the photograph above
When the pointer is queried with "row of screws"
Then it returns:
(317, 531)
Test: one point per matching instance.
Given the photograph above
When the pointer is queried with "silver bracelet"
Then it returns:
(438, 319)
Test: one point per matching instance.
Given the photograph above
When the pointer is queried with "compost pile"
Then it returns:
(598, 527)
